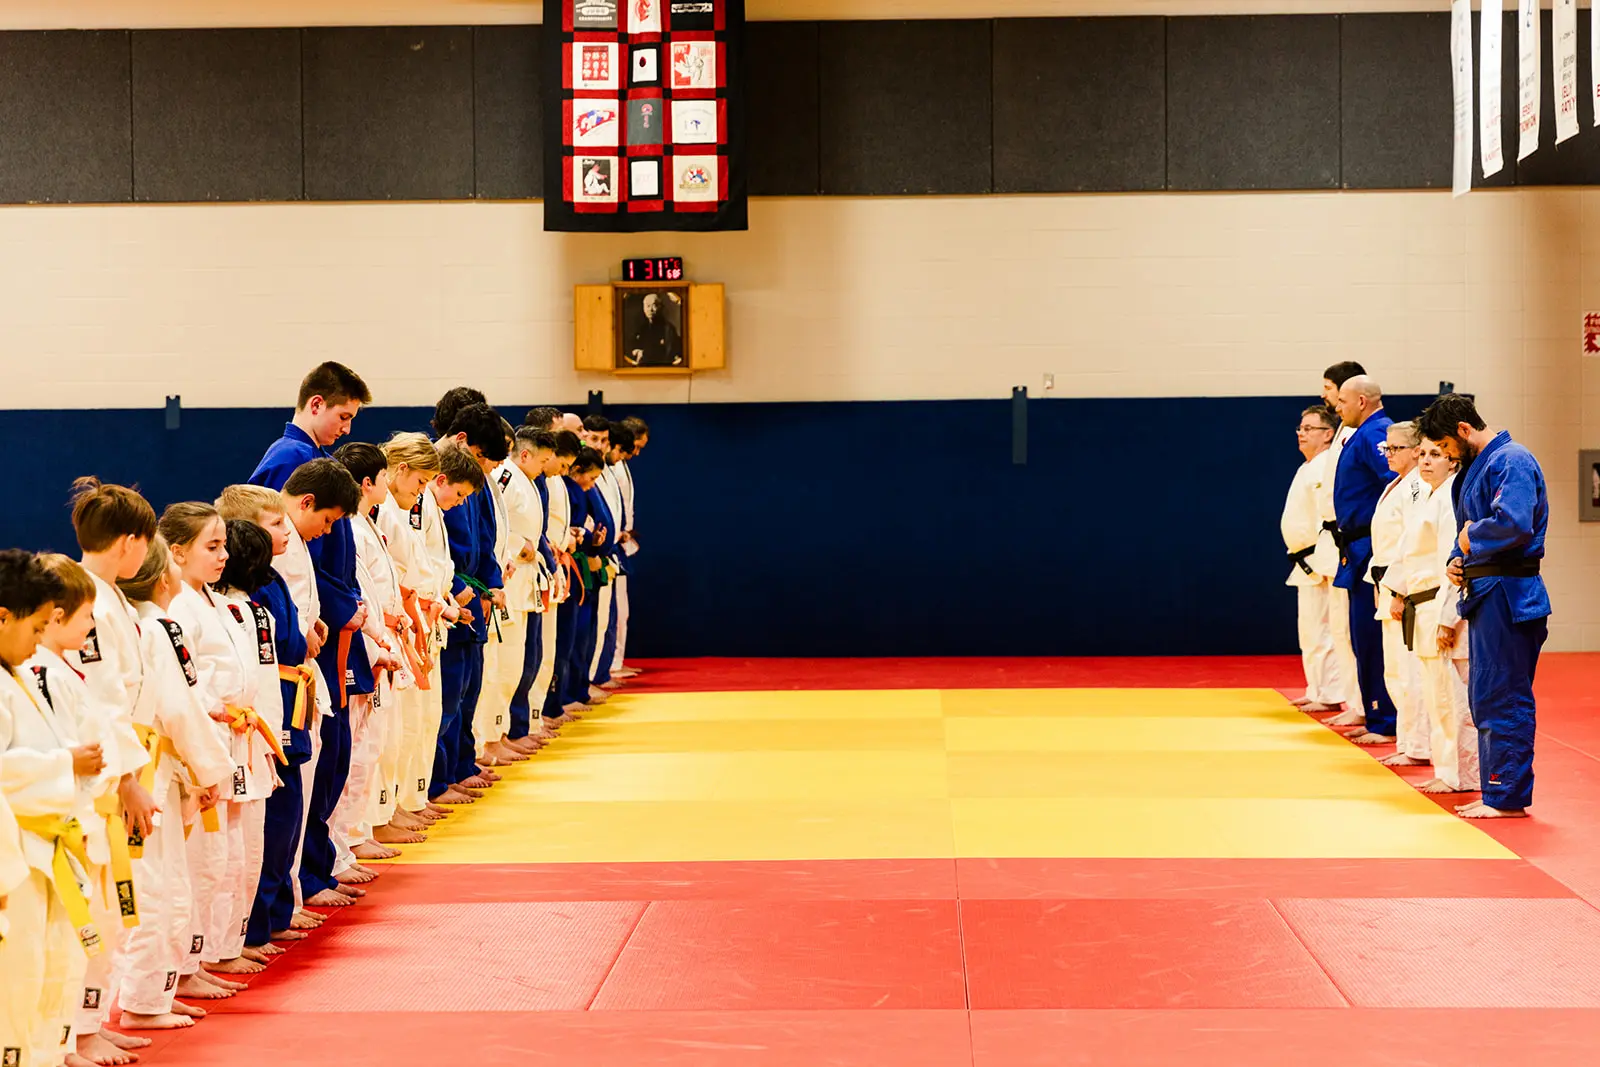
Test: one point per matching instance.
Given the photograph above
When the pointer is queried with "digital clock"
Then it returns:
(665, 269)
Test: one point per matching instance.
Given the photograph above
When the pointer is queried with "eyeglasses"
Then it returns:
(1313, 429)
(1390, 450)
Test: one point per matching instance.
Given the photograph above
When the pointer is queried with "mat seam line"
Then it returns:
(1289, 926)
(626, 941)
(1573, 747)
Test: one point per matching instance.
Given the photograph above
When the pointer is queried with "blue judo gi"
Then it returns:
(285, 811)
(334, 557)
(1500, 500)
(1359, 480)
(470, 528)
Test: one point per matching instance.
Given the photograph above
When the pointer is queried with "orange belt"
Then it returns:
(305, 693)
(341, 663)
(564, 559)
(247, 720)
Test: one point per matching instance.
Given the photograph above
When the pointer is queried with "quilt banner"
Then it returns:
(644, 115)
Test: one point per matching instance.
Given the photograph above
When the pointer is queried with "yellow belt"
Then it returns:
(110, 806)
(157, 746)
(247, 720)
(68, 838)
(305, 694)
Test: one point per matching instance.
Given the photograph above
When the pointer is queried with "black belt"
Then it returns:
(1526, 567)
(1408, 619)
(1345, 538)
(1522, 567)
(1299, 559)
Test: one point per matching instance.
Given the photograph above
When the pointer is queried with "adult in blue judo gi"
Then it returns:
(1502, 510)
(1359, 480)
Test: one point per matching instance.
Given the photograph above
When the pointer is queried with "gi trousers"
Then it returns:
(1504, 657)
(327, 784)
(283, 822)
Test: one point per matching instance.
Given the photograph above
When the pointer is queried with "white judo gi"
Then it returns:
(219, 862)
(527, 579)
(87, 720)
(295, 566)
(112, 669)
(1402, 673)
(42, 959)
(417, 705)
(18, 1003)
(1452, 737)
(1314, 562)
(558, 532)
(190, 756)
(375, 724)
(619, 598)
(505, 650)
(256, 752)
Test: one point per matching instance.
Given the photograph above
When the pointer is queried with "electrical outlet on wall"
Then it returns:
(1049, 382)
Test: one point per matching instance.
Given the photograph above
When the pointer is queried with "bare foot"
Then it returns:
(477, 781)
(193, 1011)
(1479, 810)
(613, 685)
(525, 745)
(1400, 759)
(221, 983)
(1318, 708)
(1351, 717)
(473, 791)
(75, 1060)
(93, 1048)
(487, 775)
(195, 987)
(329, 898)
(237, 965)
(454, 796)
(507, 752)
(305, 920)
(289, 935)
(568, 717)
(354, 876)
(407, 820)
(351, 891)
(1367, 737)
(598, 695)
(1438, 785)
(257, 955)
(394, 835)
(122, 1041)
(436, 810)
(172, 1021)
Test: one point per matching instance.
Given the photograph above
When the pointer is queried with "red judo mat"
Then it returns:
(998, 963)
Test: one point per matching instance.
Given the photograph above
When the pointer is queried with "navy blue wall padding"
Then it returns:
(1137, 527)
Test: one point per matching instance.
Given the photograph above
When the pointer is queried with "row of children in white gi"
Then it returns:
(185, 761)
(1413, 533)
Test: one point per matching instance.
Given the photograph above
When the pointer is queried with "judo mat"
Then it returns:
(978, 862)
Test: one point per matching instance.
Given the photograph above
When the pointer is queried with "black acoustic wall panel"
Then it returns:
(781, 122)
(388, 113)
(906, 108)
(64, 117)
(1396, 101)
(1253, 102)
(508, 112)
(1575, 161)
(216, 115)
(1079, 105)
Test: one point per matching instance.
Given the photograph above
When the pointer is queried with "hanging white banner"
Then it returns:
(1564, 30)
(1461, 64)
(1493, 25)
(1528, 35)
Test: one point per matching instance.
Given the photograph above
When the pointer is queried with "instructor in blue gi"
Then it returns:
(1503, 510)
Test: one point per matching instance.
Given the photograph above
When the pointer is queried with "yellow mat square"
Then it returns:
(899, 774)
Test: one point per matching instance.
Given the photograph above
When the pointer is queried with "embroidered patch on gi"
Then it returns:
(239, 787)
(265, 653)
(11, 1057)
(238, 616)
(422, 783)
(90, 652)
(44, 685)
(244, 926)
(125, 900)
(135, 837)
(197, 944)
(66, 1034)
(185, 660)
(286, 738)
(383, 796)
(91, 1000)
(172, 981)
(416, 513)
(505, 477)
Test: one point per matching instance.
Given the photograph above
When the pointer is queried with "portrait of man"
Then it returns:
(652, 328)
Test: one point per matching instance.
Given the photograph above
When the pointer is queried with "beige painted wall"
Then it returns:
(839, 299)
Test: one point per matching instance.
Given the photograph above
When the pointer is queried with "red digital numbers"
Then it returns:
(665, 269)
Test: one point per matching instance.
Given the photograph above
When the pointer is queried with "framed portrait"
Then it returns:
(652, 327)
(1589, 486)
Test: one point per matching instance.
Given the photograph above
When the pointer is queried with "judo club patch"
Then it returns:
(172, 981)
(644, 116)
(90, 652)
(197, 944)
(91, 1000)
(11, 1056)
(185, 660)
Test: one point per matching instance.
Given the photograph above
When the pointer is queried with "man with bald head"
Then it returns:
(1360, 478)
